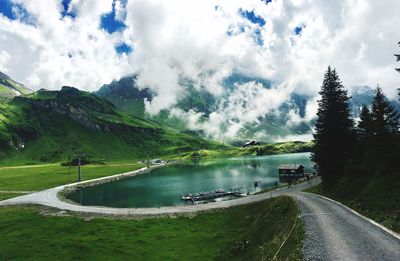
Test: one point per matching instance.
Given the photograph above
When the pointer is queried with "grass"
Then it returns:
(212, 235)
(4, 196)
(39, 177)
(376, 197)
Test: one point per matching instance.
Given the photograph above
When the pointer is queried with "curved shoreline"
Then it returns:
(51, 198)
(76, 186)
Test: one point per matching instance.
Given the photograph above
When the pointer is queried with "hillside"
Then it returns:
(126, 95)
(10, 88)
(52, 125)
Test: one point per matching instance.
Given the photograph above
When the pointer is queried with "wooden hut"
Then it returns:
(289, 172)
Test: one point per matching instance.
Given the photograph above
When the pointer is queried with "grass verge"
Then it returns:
(250, 232)
(5, 195)
(39, 177)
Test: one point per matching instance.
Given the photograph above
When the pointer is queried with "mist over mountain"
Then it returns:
(247, 108)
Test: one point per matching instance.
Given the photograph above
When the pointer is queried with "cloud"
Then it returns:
(59, 50)
(246, 103)
(290, 43)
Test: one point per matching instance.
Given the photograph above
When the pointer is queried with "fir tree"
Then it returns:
(398, 69)
(385, 118)
(365, 124)
(397, 59)
(384, 140)
(334, 129)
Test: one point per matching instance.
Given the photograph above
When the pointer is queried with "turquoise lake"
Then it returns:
(165, 186)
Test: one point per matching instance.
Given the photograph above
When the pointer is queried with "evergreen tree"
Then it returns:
(334, 129)
(385, 130)
(397, 59)
(385, 118)
(365, 123)
(363, 158)
(398, 69)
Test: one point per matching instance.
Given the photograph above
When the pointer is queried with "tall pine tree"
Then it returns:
(334, 129)
(385, 128)
(365, 124)
(398, 59)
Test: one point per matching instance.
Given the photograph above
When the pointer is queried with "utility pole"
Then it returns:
(69, 168)
(79, 156)
(148, 160)
(79, 168)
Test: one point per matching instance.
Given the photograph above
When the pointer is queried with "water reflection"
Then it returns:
(164, 187)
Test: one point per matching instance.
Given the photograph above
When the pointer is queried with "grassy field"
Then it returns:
(39, 177)
(376, 197)
(222, 235)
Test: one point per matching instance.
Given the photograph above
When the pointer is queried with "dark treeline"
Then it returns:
(370, 146)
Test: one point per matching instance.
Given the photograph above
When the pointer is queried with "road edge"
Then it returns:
(387, 230)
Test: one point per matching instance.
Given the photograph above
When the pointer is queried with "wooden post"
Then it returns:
(69, 168)
(79, 168)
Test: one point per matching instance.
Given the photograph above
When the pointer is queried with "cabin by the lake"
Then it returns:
(290, 172)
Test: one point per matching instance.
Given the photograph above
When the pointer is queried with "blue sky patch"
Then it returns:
(266, 1)
(6, 9)
(298, 29)
(123, 48)
(109, 22)
(16, 11)
(65, 12)
(252, 17)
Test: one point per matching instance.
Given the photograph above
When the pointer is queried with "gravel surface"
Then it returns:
(335, 233)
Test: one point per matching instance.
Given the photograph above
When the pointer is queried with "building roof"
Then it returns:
(290, 166)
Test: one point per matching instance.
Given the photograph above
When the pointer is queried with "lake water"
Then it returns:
(165, 186)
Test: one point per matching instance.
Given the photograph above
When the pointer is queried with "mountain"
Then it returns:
(10, 88)
(360, 96)
(52, 125)
(126, 95)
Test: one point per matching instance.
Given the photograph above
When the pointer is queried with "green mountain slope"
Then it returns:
(52, 125)
(10, 88)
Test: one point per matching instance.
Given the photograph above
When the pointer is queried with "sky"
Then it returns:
(87, 43)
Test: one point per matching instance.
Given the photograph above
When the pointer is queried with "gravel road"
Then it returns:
(335, 233)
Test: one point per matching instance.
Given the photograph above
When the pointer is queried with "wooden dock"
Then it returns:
(208, 195)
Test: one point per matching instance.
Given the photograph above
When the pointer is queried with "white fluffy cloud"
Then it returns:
(204, 41)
